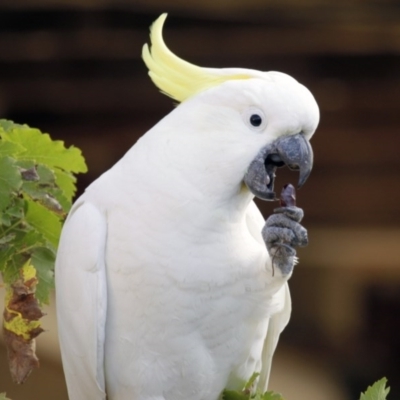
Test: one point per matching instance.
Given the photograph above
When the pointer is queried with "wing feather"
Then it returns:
(276, 325)
(255, 223)
(81, 298)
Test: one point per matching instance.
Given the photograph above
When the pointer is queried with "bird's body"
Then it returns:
(165, 286)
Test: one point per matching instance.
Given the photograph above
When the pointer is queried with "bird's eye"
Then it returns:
(255, 120)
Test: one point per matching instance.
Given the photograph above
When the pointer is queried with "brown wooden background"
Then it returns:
(73, 69)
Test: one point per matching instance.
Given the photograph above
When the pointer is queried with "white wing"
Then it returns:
(81, 296)
(255, 223)
(276, 325)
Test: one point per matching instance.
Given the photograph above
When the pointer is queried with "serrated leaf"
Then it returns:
(45, 190)
(46, 175)
(378, 391)
(9, 149)
(46, 197)
(40, 148)
(44, 221)
(43, 260)
(66, 182)
(7, 125)
(10, 181)
(25, 163)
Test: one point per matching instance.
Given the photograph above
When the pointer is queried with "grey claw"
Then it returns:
(290, 232)
(294, 213)
(282, 233)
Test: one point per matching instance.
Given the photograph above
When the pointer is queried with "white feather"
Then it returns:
(82, 301)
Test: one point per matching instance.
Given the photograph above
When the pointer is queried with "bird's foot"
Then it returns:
(282, 233)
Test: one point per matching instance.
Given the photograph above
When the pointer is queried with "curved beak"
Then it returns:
(293, 151)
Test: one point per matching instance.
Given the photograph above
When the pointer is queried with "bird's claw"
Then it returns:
(282, 233)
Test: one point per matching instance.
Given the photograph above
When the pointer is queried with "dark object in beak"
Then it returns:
(293, 151)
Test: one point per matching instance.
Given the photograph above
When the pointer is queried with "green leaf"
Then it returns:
(249, 384)
(9, 149)
(378, 391)
(12, 267)
(43, 260)
(7, 125)
(3, 396)
(45, 190)
(234, 395)
(248, 392)
(40, 148)
(10, 181)
(5, 219)
(66, 182)
(14, 253)
(45, 222)
(16, 208)
(46, 175)
(272, 396)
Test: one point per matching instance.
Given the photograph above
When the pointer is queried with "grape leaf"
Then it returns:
(66, 182)
(378, 391)
(10, 181)
(40, 148)
(7, 125)
(9, 148)
(43, 260)
(46, 223)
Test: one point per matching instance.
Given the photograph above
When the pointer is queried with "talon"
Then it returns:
(282, 233)
(294, 213)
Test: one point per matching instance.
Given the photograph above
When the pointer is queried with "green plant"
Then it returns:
(378, 391)
(36, 189)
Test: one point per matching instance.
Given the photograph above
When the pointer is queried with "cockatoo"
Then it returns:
(169, 282)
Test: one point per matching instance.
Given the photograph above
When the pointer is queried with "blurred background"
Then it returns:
(73, 69)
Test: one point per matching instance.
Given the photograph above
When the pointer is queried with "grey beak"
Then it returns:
(294, 151)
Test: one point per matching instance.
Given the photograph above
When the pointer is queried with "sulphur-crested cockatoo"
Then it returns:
(168, 285)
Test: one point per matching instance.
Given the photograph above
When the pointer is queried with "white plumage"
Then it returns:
(164, 283)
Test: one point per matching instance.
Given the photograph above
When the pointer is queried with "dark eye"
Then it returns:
(255, 120)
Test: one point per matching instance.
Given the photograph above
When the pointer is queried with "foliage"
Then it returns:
(378, 391)
(248, 392)
(36, 189)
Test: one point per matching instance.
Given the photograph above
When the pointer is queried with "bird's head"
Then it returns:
(258, 121)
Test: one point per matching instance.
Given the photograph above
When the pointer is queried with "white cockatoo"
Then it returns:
(170, 284)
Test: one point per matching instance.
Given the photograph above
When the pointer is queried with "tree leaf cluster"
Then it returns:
(37, 184)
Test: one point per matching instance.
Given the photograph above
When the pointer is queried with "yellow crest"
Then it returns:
(178, 78)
